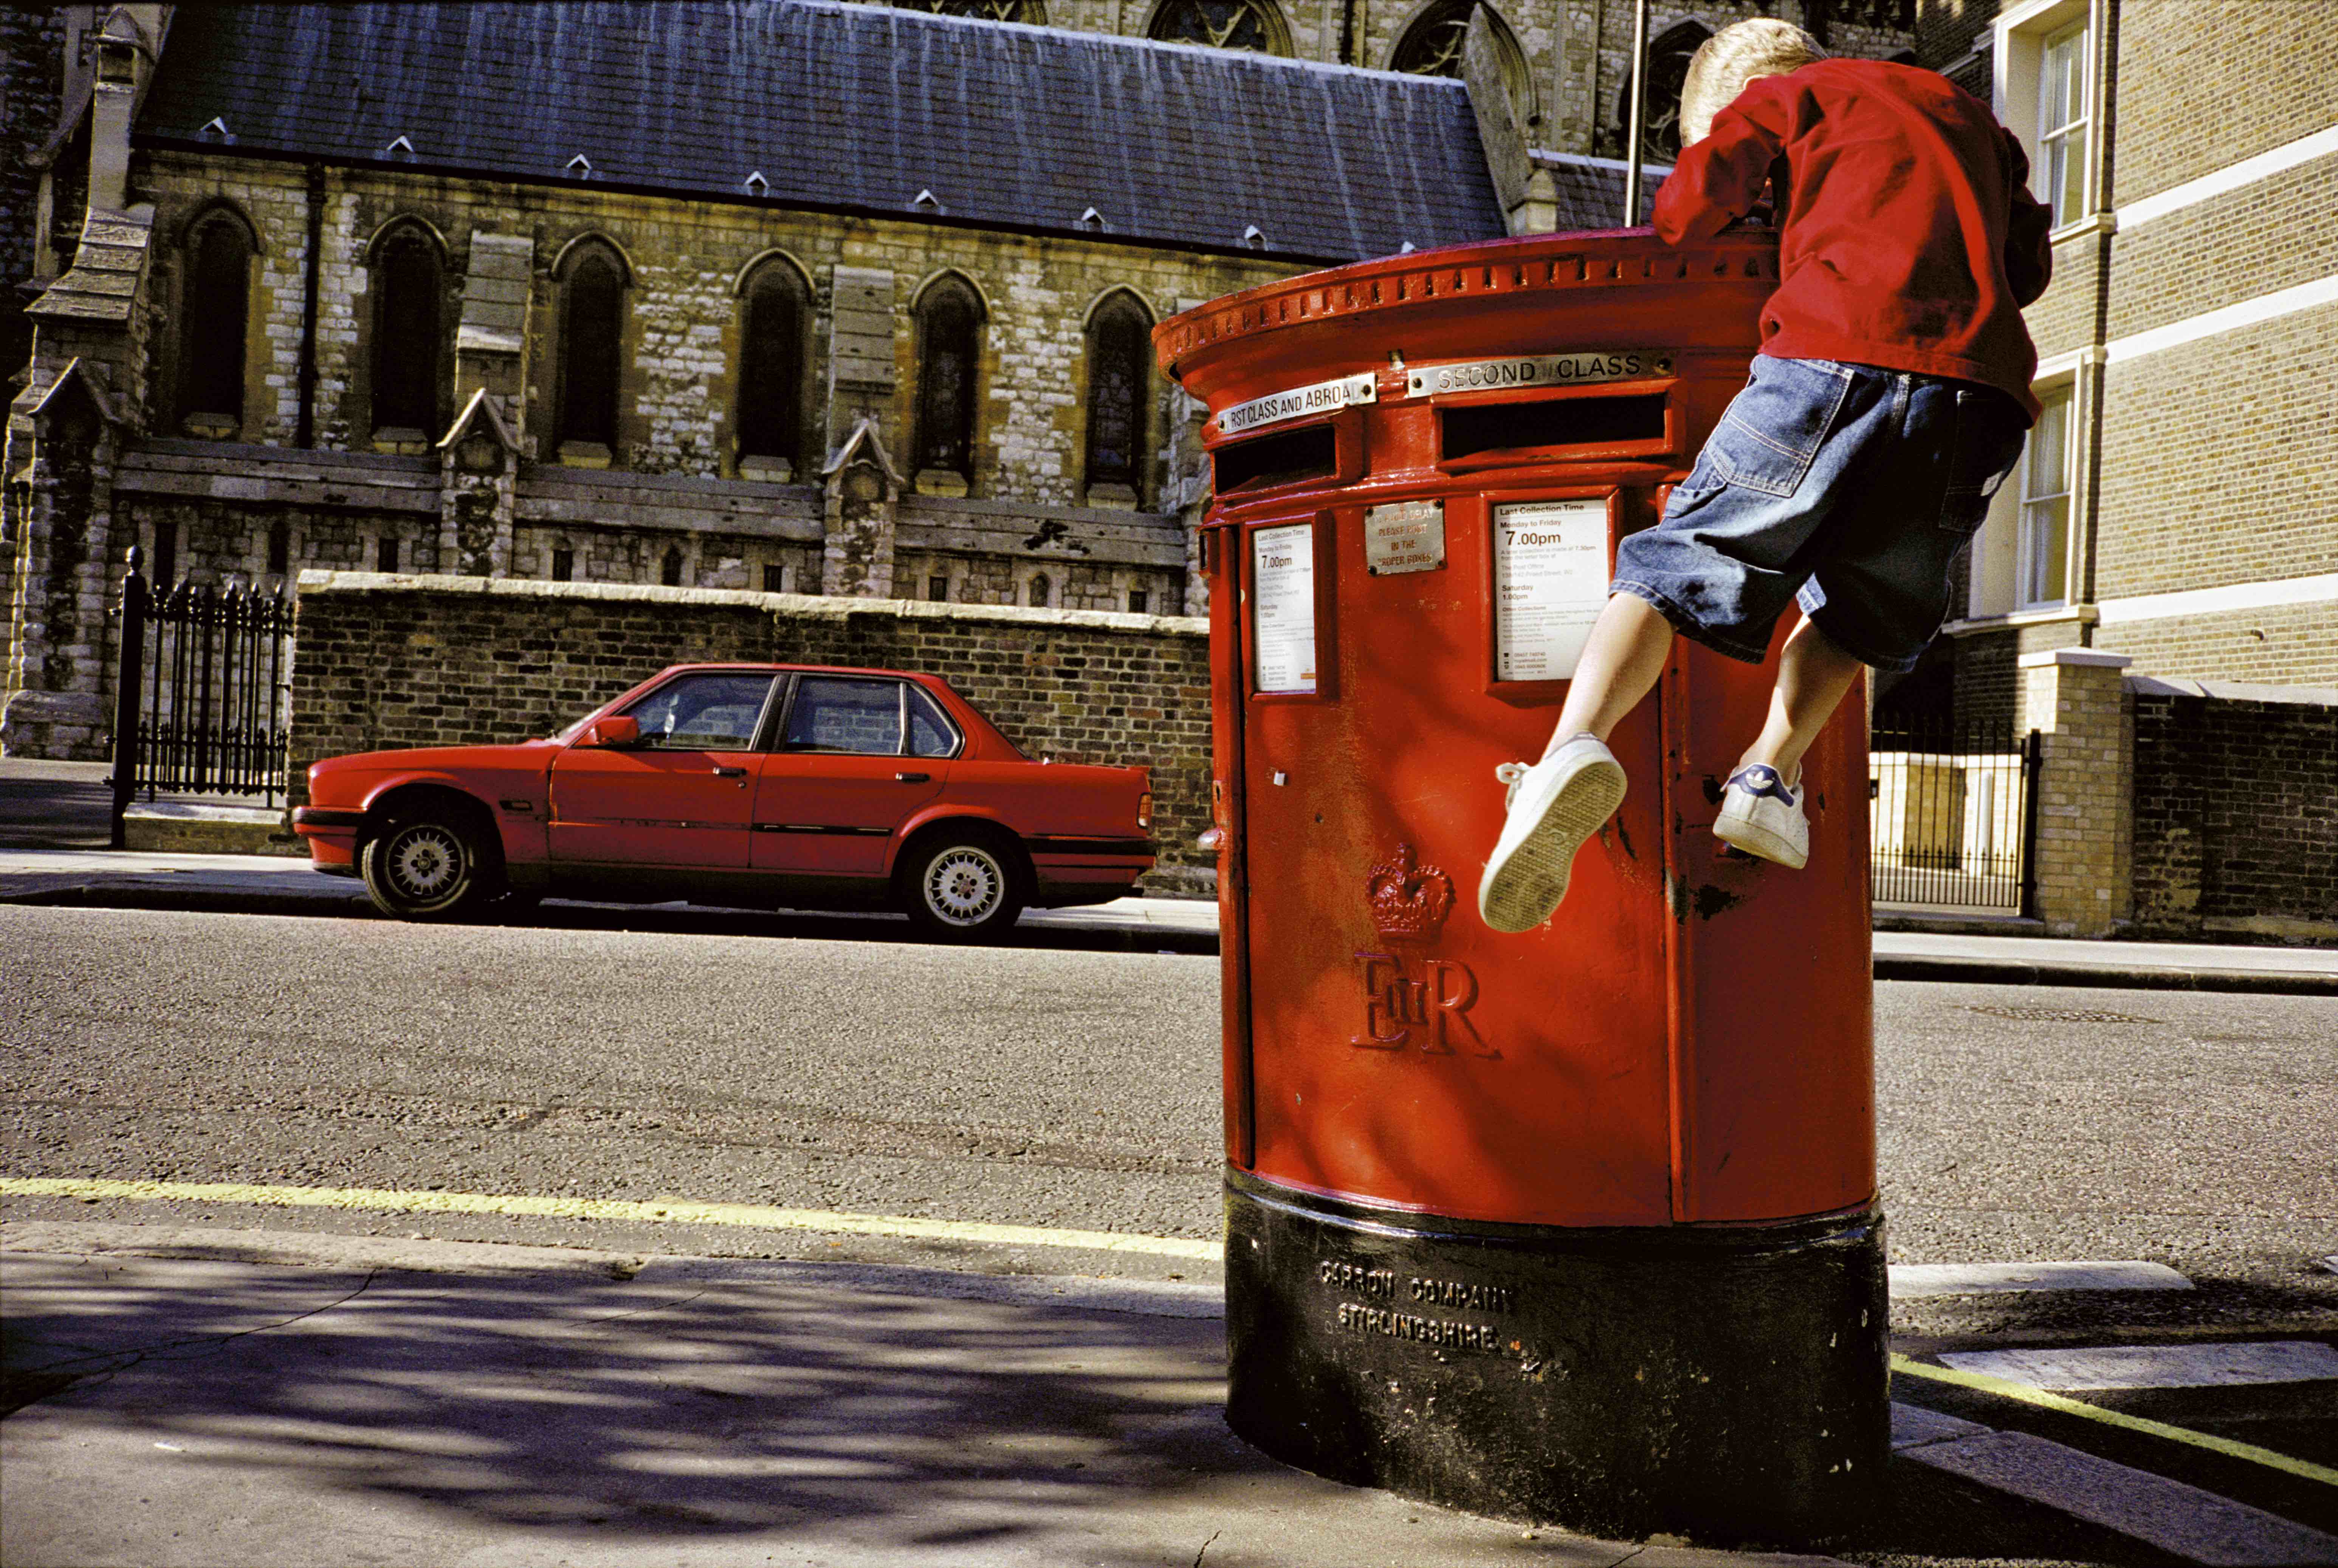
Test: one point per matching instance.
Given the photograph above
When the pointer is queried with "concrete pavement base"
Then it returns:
(499, 1405)
(203, 827)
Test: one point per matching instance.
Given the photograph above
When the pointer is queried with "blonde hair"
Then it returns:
(1725, 63)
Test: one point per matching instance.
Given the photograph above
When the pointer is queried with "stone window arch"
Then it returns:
(1668, 58)
(1430, 45)
(949, 317)
(409, 292)
(214, 313)
(1255, 24)
(1119, 398)
(669, 569)
(591, 277)
(774, 362)
(1040, 590)
(1030, 12)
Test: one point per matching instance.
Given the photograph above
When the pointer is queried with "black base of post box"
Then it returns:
(1723, 1383)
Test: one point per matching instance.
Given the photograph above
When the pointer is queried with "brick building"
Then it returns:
(2177, 504)
(778, 296)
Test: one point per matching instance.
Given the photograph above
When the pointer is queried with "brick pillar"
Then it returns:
(2075, 699)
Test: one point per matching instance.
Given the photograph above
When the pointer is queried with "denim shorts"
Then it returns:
(1846, 487)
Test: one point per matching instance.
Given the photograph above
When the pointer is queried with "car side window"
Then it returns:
(931, 734)
(712, 713)
(833, 713)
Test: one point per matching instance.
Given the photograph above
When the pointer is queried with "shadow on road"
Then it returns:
(54, 805)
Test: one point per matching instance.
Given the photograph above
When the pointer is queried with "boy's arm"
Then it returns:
(2028, 256)
(1717, 180)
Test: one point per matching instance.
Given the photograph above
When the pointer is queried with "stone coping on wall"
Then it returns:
(809, 606)
(2233, 691)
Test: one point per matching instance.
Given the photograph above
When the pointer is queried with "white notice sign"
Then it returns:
(1550, 580)
(1404, 536)
(1283, 607)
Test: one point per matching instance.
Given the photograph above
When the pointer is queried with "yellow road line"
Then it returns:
(2005, 1388)
(659, 1211)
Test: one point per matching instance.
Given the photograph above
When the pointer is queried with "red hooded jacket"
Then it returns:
(1909, 238)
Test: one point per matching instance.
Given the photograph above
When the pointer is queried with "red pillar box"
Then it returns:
(1577, 1225)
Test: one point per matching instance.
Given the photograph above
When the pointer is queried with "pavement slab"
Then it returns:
(365, 1410)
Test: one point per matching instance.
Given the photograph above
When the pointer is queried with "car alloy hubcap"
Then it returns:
(965, 886)
(425, 861)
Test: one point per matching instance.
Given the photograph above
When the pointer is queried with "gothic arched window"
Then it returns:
(408, 292)
(1431, 47)
(950, 337)
(1028, 12)
(214, 305)
(1040, 589)
(1221, 24)
(1120, 391)
(669, 569)
(771, 364)
(592, 317)
(1668, 59)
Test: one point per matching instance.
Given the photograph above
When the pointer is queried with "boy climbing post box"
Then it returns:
(1889, 401)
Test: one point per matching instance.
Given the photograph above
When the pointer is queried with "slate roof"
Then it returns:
(1591, 189)
(849, 107)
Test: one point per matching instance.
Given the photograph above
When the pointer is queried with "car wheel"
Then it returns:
(424, 869)
(962, 889)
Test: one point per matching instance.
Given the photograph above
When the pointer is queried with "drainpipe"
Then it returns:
(1632, 133)
(307, 434)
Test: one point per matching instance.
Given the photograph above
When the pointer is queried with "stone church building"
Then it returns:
(783, 296)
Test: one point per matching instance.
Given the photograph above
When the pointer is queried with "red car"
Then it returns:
(749, 785)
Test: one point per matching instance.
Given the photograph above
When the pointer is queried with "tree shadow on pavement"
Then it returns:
(602, 1410)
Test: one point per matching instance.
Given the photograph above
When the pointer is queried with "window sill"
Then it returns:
(585, 454)
(2015, 620)
(2099, 223)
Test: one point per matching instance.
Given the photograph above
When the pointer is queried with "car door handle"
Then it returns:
(913, 778)
(729, 772)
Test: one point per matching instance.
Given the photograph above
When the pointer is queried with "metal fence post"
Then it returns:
(129, 666)
(2032, 753)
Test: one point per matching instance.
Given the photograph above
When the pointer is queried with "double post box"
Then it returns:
(1577, 1225)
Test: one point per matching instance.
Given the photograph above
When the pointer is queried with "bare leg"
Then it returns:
(1814, 677)
(1630, 644)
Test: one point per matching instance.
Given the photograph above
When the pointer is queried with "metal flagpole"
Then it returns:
(1639, 92)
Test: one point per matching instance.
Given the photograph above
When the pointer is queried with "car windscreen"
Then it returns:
(707, 712)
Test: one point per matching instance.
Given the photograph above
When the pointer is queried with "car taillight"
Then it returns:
(1144, 809)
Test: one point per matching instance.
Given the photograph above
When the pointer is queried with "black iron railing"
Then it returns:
(1953, 817)
(201, 702)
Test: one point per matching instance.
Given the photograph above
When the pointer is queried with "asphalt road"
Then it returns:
(1074, 1089)
(1037, 1087)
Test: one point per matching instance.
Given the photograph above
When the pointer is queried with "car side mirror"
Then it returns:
(619, 730)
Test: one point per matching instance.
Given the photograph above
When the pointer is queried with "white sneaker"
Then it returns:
(1555, 805)
(1762, 817)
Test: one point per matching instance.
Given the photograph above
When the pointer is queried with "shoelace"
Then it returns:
(1511, 773)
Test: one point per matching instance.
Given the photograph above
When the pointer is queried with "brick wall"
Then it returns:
(2270, 234)
(2202, 84)
(2282, 645)
(2235, 816)
(2188, 499)
(386, 662)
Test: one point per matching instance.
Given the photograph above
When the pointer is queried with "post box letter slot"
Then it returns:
(1566, 422)
(1283, 458)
